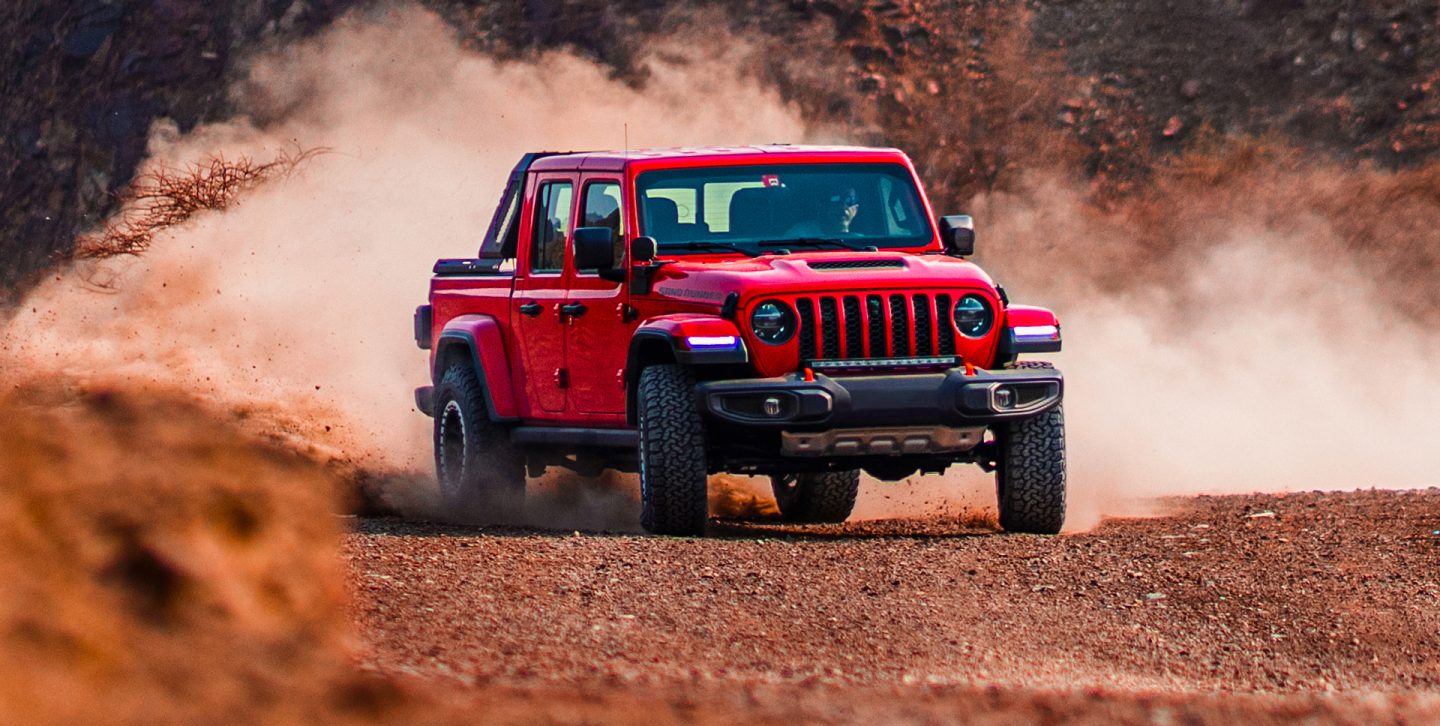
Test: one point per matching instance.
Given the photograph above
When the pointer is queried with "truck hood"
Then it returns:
(710, 280)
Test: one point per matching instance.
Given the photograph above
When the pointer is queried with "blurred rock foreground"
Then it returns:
(197, 584)
(974, 91)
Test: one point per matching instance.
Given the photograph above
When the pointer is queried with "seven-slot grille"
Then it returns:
(871, 325)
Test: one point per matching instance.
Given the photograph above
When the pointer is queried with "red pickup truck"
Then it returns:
(785, 311)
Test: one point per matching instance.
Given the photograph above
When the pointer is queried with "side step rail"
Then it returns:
(554, 436)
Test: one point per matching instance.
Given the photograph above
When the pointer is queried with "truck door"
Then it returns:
(598, 339)
(540, 291)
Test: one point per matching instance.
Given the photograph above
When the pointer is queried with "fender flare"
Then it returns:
(1028, 329)
(664, 339)
(478, 338)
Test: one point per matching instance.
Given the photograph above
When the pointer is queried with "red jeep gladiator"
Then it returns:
(788, 311)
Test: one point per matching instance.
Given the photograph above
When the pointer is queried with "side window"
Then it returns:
(901, 217)
(502, 244)
(602, 209)
(552, 221)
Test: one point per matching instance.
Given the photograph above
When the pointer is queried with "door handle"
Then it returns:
(573, 310)
(531, 308)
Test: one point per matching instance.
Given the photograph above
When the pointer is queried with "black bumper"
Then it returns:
(950, 398)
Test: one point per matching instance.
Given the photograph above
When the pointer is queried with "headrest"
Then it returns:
(662, 210)
(752, 212)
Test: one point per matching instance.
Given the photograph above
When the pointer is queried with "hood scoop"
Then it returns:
(892, 263)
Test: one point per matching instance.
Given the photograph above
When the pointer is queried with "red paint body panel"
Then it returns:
(683, 325)
(569, 370)
(490, 345)
(1017, 316)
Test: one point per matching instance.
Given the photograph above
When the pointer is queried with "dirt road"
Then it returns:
(1289, 597)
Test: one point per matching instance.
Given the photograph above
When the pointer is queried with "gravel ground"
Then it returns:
(1324, 606)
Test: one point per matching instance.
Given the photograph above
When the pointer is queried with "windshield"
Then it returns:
(763, 207)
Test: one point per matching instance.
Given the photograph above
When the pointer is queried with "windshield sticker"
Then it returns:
(770, 180)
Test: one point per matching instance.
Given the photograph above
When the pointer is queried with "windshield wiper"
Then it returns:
(815, 242)
(731, 246)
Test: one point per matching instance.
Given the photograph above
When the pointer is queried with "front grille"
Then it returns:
(924, 344)
(872, 326)
(829, 329)
(806, 308)
(875, 313)
(854, 339)
(899, 327)
(946, 332)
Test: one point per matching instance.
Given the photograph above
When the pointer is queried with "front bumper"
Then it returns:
(950, 398)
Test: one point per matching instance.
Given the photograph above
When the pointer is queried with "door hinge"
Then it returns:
(562, 378)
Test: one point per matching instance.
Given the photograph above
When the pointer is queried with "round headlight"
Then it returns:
(973, 316)
(773, 322)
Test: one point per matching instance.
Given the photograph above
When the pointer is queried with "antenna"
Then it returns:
(627, 138)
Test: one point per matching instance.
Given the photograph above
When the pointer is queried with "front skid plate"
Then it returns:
(895, 441)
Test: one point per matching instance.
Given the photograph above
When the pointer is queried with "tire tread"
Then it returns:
(820, 498)
(672, 435)
(1030, 480)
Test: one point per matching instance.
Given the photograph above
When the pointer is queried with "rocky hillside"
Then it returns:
(973, 90)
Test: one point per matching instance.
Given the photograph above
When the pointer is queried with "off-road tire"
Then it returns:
(1030, 470)
(827, 497)
(481, 473)
(672, 453)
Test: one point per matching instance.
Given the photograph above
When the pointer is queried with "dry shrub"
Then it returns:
(163, 197)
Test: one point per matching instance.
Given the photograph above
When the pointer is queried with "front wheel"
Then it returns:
(827, 497)
(482, 476)
(672, 453)
(1030, 477)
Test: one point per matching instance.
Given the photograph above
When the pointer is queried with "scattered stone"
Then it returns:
(871, 82)
(1173, 127)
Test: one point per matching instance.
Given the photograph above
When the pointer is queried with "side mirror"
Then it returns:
(958, 233)
(642, 250)
(594, 248)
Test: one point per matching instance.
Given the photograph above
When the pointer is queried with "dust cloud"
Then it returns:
(294, 305)
(1243, 328)
(1255, 321)
(1225, 337)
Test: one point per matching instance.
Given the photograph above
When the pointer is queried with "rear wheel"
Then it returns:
(481, 474)
(827, 497)
(1030, 471)
(672, 453)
